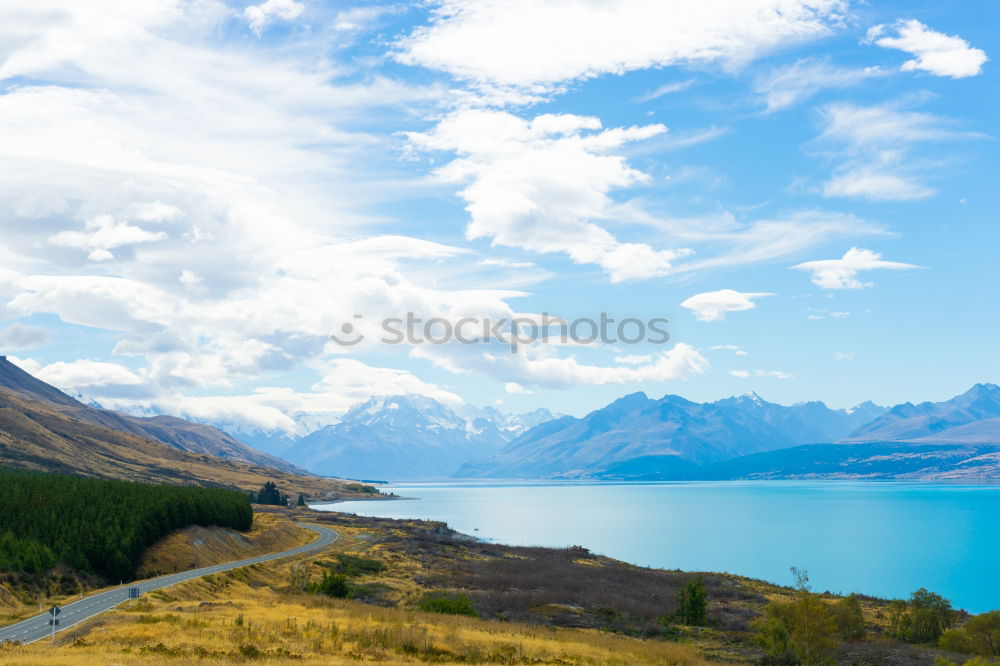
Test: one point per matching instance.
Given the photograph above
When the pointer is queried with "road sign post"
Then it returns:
(54, 620)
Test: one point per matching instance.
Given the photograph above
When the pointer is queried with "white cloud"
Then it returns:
(543, 184)
(95, 378)
(541, 43)
(777, 374)
(343, 383)
(790, 84)
(19, 336)
(759, 240)
(538, 366)
(102, 234)
(221, 178)
(665, 89)
(514, 388)
(867, 182)
(843, 356)
(873, 145)
(736, 349)
(260, 16)
(842, 273)
(713, 305)
(935, 52)
(634, 359)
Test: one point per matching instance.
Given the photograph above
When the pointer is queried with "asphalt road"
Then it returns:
(38, 627)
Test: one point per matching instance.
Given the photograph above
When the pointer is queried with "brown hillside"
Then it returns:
(39, 436)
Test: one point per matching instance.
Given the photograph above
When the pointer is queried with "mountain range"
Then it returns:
(408, 437)
(636, 438)
(668, 435)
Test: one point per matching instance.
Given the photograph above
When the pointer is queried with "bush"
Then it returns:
(955, 640)
(352, 565)
(459, 604)
(804, 629)
(980, 635)
(691, 604)
(333, 585)
(849, 618)
(930, 614)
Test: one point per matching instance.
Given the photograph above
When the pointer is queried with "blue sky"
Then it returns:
(195, 195)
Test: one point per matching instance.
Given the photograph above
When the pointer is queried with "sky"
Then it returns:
(195, 195)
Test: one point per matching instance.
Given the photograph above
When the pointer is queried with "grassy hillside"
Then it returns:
(37, 435)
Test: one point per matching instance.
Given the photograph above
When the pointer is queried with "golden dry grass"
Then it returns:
(263, 626)
(252, 615)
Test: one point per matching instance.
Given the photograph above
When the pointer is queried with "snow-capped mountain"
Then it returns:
(636, 436)
(407, 437)
(973, 416)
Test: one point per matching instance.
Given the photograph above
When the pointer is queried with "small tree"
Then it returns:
(930, 614)
(802, 629)
(301, 501)
(269, 494)
(691, 603)
(983, 633)
(899, 620)
(850, 620)
(814, 630)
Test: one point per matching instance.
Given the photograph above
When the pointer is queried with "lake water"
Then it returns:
(880, 538)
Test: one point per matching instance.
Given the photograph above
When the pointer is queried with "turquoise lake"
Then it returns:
(880, 538)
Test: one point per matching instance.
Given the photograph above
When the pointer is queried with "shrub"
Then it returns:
(691, 603)
(930, 614)
(352, 565)
(458, 604)
(849, 618)
(333, 585)
(980, 635)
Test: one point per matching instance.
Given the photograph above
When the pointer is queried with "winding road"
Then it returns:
(36, 628)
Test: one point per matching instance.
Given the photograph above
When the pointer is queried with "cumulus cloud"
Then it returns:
(843, 273)
(102, 234)
(713, 305)
(19, 336)
(538, 365)
(790, 84)
(742, 374)
(260, 16)
(342, 384)
(215, 177)
(934, 52)
(472, 39)
(95, 378)
(543, 185)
